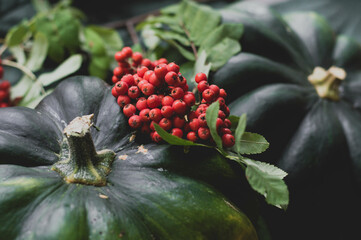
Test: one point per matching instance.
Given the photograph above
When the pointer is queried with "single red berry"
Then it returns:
(137, 79)
(153, 101)
(173, 67)
(147, 75)
(179, 106)
(177, 93)
(141, 83)
(171, 78)
(141, 104)
(144, 115)
(118, 71)
(200, 110)
(137, 57)
(200, 77)
(222, 93)
(165, 123)
(4, 104)
(177, 132)
(194, 124)
(155, 115)
(115, 79)
(208, 95)
(153, 79)
(121, 88)
(123, 100)
(202, 120)
(167, 111)
(167, 101)
(127, 51)
(221, 114)
(225, 131)
(228, 140)
(161, 70)
(129, 79)
(221, 101)
(162, 60)
(141, 71)
(204, 133)
(129, 110)
(133, 92)
(182, 81)
(203, 85)
(114, 92)
(147, 63)
(134, 121)
(156, 137)
(215, 89)
(147, 89)
(219, 123)
(178, 121)
(192, 136)
(227, 123)
(119, 56)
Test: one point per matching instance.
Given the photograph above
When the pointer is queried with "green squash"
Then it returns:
(64, 179)
(300, 86)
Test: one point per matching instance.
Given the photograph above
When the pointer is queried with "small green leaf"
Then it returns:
(174, 140)
(220, 53)
(211, 118)
(268, 181)
(110, 37)
(17, 34)
(234, 120)
(38, 52)
(69, 66)
(252, 143)
(241, 126)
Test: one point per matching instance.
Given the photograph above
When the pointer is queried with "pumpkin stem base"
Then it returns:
(79, 161)
(327, 82)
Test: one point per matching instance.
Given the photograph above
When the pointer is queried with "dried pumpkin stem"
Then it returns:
(79, 161)
(327, 82)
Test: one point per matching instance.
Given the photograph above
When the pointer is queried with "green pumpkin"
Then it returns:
(64, 179)
(300, 86)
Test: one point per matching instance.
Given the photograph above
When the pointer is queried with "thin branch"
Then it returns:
(193, 46)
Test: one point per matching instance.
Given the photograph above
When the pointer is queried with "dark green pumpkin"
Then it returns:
(156, 193)
(315, 139)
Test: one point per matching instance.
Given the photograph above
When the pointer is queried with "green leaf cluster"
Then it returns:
(189, 29)
(55, 44)
(264, 178)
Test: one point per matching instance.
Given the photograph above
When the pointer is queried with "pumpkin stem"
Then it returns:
(79, 161)
(327, 82)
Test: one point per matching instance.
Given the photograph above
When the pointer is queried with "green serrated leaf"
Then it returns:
(241, 126)
(69, 66)
(211, 118)
(174, 140)
(252, 143)
(220, 53)
(110, 37)
(268, 181)
(17, 35)
(194, 17)
(38, 52)
(171, 35)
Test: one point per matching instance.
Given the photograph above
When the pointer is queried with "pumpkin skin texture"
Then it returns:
(146, 196)
(311, 137)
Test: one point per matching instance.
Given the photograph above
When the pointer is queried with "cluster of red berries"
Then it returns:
(156, 92)
(4, 90)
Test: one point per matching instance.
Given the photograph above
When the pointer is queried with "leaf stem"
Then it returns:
(193, 46)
